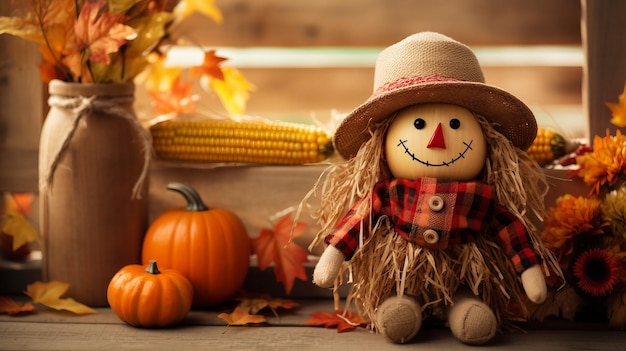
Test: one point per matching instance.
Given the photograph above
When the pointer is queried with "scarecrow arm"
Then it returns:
(534, 284)
(328, 267)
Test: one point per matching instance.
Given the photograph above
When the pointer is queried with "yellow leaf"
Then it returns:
(233, 90)
(121, 6)
(19, 228)
(22, 28)
(162, 78)
(150, 30)
(204, 7)
(49, 294)
(618, 110)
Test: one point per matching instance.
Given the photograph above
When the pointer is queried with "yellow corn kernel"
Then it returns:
(547, 146)
(266, 142)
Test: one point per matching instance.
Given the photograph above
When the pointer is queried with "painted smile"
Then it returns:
(468, 146)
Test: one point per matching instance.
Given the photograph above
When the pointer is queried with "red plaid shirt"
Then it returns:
(437, 215)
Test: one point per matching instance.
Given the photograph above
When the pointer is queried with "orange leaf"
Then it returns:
(210, 66)
(345, 321)
(241, 317)
(277, 303)
(12, 308)
(256, 303)
(97, 34)
(19, 202)
(49, 294)
(179, 99)
(276, 247)
(101, 32)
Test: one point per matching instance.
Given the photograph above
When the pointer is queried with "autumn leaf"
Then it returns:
(151, 29)
(233, 90)
(162, 77)
(241, 317)
(12, 308)
(255, 303)
(179, 99)
(15, 225)
(275, 246)
(101, 32)
(205, 7)
(21, 27)
(564, 303)
(210, 66)
(98, 34)
(49, 294)
(343, 321)
(121, 6)
(20, 202)
(618, 110)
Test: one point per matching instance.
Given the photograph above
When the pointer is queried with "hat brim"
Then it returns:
(509, 115)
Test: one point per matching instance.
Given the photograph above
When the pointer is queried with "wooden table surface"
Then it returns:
(203, 330)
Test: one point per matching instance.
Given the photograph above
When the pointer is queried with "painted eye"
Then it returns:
(455, 123)
(419, 123)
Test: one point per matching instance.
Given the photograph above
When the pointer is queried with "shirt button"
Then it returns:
(435, 203)
(431, 236)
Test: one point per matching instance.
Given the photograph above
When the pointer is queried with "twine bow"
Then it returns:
(82, 106)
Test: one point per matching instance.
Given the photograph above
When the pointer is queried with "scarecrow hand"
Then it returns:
(327, 267)
(534, 284)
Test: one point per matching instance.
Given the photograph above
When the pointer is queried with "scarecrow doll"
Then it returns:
(430, 211)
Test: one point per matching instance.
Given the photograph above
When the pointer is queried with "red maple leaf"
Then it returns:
(210, 66)
(276, 247)
(343, 321)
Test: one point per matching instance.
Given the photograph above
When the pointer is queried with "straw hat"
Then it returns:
(430, 67)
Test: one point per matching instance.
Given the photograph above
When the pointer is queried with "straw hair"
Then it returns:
(429, 67)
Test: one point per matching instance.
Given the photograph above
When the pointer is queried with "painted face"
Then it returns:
(435, 140)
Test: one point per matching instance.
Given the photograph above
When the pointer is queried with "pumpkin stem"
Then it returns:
(194, 201)
(152, 267)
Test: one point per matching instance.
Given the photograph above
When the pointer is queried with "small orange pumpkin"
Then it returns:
(210, 246)
(143, 296)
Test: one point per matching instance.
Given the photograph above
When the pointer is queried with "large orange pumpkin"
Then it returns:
(210, 246)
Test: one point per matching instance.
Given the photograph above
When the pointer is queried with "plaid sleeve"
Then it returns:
(514, 239)
(355, 223)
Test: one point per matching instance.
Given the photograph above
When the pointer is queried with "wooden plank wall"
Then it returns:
(605, 50)
(297, 92)
(383, 22)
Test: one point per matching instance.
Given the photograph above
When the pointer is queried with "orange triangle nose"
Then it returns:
(437, 139)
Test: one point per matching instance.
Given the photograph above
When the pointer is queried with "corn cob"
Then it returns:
(548, 146)
(266, 142)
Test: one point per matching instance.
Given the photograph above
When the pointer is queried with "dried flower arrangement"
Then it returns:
(588, 234)
(117, 41)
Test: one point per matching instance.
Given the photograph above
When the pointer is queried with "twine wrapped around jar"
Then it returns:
(81, 106)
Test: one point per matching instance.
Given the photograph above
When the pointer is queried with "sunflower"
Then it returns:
(571, 217)
(605, 164)
(597, 271)
(614, 210)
